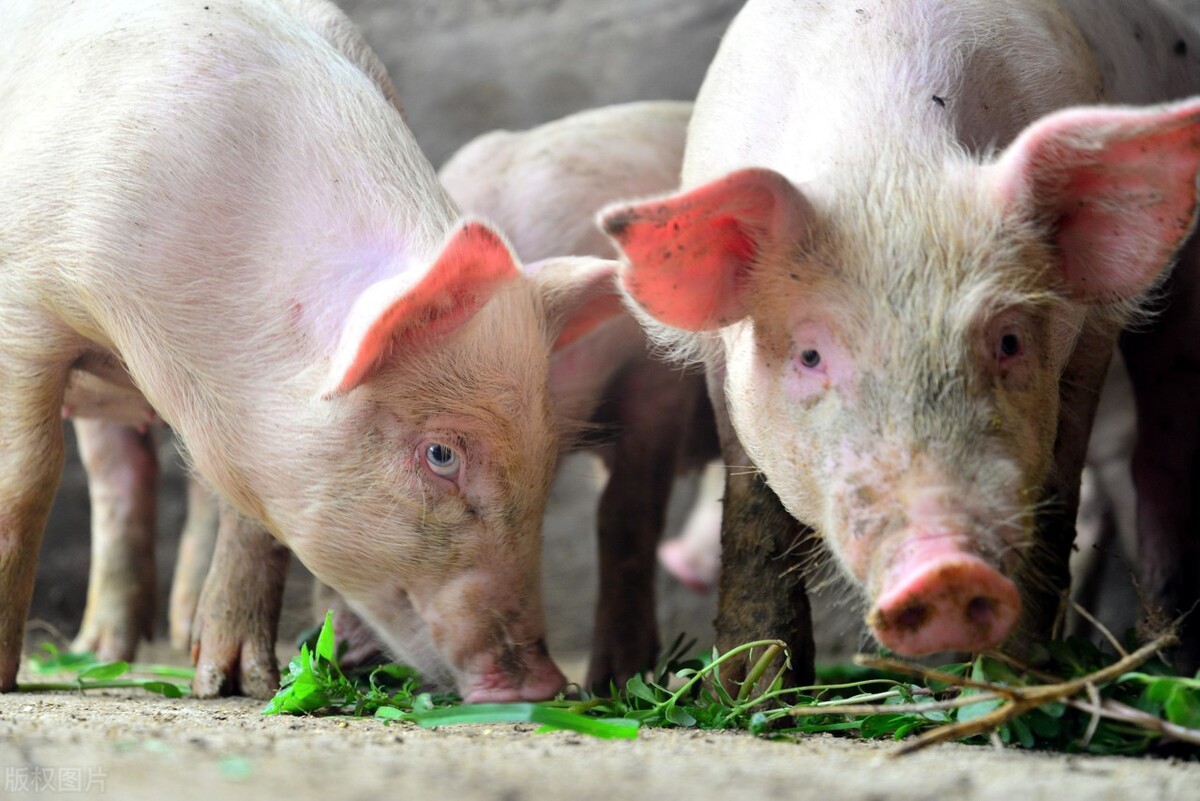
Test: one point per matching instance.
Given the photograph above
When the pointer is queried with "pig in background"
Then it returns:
(374, 390)
(905, 328)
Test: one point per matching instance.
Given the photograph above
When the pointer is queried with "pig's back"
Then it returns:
(171, 169)
(809, 87)
(197, 145)
(1146, 52)
(543, 186)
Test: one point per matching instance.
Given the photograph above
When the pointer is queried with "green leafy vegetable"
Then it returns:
(90, 674)
(1047, 706)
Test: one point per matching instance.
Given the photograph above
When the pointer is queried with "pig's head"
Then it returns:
(893, 338)
(430, 524)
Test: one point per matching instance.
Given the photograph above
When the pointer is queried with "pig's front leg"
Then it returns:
(122, 472)
(31, 462)
(1164, 366)
(237, 622)
(1046, 576)
(653, 414)
(761, 592)
(196, 545)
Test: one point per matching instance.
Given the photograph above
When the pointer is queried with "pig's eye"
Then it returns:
(1009, 346)
(810, 358)
(442, 460)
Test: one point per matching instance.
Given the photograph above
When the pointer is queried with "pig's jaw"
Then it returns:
(509, 672)
(405, 635)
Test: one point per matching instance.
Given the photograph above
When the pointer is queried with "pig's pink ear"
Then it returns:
(687, 255)
(1116, 185)
(397, 313)
(579, 294)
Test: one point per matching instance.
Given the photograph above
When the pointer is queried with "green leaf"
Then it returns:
(164, 671)
(906, 729)
(1021, 730)
(326, 643)
(528, 713)
(678, 716)
(106, 671)
(1045, 725)
(638, 688)
(874, 726)
(390, 713)
(972, 711)
(1183, 708)
(164, 688)
(56, 661)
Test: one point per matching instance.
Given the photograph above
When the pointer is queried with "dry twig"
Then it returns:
(1018, 700)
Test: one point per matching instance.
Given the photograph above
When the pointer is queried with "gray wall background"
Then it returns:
(463, 67)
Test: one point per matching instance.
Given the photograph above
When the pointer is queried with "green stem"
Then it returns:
(756, 672)
(580, 707)
(68, 686)
(699, 675)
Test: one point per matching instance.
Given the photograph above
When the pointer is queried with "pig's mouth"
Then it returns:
(513, 673)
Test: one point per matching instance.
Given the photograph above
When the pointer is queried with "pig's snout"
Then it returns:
(940, 598)
(517, 673)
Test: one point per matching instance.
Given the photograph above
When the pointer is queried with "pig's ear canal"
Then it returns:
(579, 294)
(395, 314)
(687, 255)
(1116, 185)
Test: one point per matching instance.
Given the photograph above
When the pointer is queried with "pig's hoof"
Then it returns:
(110, 642)
(619, 663)
(8, 677)
(241, 674)
(180, 617)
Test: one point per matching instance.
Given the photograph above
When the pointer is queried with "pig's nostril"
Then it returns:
(911, 617)
(945, 603)
(981, 611)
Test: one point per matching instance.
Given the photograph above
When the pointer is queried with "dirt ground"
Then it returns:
(124, 746)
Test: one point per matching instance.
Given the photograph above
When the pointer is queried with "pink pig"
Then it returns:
(218, 202)
(645, 418)
(907, 238)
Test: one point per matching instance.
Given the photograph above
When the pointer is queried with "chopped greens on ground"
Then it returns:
(90, 674)
(1072, 697)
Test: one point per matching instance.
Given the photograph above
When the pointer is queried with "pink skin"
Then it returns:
(694, 557)
(491, 681)
(689, 562)
(938, 596)
(501, 655)
(920, 545)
